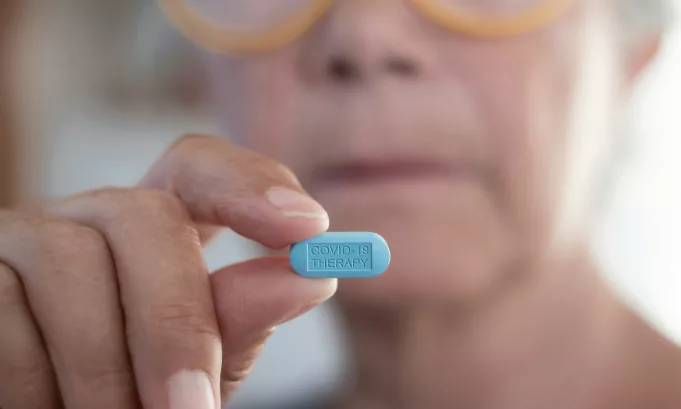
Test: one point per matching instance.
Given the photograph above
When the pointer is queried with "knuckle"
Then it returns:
(39, 241)
(237, 374)
(141, 203)
(31, 381)
(258, 169)
(179, 152)
(188, 140)
(181, 320)
(157, 202)
(62, 240)
(276, 172)
(237, 366)
(237, 369)
(100, 376)
(173, 160)
(278, 169)
(186, 147)
(261, 164)
(27, 373)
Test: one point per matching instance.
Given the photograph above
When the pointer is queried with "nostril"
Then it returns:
(342, 69)
(401, 66)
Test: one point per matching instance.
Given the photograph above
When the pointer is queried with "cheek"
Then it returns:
(529, 102)
(552, 127)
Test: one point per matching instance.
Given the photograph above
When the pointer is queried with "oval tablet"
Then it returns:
(341, 255)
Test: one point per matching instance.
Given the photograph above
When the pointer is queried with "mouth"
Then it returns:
(367, 173)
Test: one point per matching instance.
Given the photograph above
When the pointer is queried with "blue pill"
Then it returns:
(341, 255)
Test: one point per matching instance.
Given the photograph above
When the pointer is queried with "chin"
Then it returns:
(453, 251)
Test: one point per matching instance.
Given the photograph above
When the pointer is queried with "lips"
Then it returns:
(369, 172)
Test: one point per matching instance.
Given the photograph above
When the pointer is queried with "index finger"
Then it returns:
(223, 184)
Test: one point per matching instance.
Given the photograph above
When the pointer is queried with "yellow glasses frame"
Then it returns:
(218, 39)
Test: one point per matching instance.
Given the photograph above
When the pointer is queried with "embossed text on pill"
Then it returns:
(339, 256)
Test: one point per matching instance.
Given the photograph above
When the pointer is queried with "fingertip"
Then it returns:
(328, 287)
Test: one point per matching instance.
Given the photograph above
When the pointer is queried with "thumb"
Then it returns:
(253, 297)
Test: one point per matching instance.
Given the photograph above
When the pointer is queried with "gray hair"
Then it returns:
(153, 67)
(649, 15)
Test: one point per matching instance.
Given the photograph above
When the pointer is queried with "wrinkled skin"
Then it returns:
(476, 159)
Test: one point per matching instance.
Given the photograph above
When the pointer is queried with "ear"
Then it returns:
(639, 57)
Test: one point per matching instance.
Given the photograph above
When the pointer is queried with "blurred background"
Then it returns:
(104, 87)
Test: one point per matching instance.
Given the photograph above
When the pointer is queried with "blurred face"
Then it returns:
(473, 157)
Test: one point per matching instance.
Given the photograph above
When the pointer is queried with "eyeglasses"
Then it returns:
(251, 26)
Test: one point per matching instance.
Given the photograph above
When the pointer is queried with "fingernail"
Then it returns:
(191, 390)
(295, 204)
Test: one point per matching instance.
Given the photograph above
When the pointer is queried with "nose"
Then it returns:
(361, 40)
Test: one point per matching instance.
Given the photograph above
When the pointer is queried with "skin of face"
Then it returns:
(475, 158)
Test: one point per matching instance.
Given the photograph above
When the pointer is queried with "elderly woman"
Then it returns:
(473, 135)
